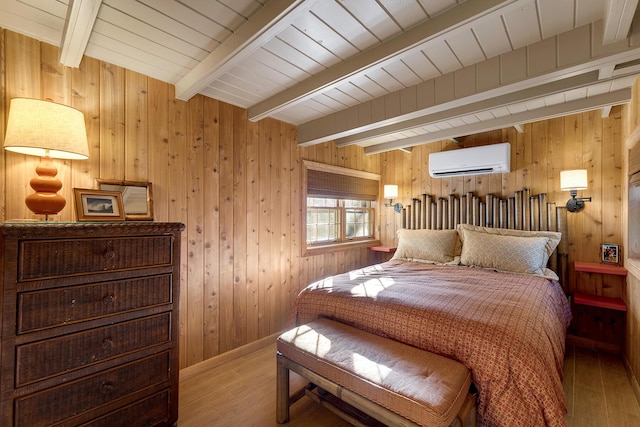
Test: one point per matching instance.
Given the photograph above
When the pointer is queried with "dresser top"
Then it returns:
(30, 230)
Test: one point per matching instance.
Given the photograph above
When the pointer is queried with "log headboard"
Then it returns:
(522, 211)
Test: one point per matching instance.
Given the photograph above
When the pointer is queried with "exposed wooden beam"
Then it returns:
(272, 19)
(377, 56)
(519, 128)
(592, 103)
(484, 101)
(618, 15)
(596, 59)
(81, 16)
(605, 111)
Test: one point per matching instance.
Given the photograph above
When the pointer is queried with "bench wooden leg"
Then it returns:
(282, 391)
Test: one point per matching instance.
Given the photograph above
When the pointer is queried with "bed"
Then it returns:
(477, 294)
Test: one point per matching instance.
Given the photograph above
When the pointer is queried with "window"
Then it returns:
(340, 207)
(331, 220)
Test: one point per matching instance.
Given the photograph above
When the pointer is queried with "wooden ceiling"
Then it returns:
(384, 74)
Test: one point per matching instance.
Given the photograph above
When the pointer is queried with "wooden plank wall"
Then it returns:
(580, 141)
(233, 183)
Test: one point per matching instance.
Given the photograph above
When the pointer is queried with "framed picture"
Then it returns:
(98, 205)
(610, 253)
(137, 197)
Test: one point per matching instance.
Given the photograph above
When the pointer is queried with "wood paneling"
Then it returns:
(236, 186)
(538, 155)
(233, 183)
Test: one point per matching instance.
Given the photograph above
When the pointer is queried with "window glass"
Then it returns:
(325, 217)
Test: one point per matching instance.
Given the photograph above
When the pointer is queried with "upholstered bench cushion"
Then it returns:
(423, 387)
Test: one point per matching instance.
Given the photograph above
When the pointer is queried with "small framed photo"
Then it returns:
(610, 253)
(98, 205)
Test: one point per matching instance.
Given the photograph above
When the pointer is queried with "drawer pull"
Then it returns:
(108, 300)
(107, 344)
(107, 388)
(109, 255)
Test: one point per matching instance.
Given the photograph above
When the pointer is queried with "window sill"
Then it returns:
(319, 250)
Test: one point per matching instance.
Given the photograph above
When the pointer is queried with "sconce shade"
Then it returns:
(36, 127)
(390, 191)
(49, 130)
(575, 179)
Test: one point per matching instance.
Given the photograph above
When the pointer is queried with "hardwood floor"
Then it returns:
(241, 392)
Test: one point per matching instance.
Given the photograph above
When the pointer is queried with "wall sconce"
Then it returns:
(572, 181)
(50, 130)
(390, 192)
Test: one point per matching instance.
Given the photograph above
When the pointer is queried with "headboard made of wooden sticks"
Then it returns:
(522, 211)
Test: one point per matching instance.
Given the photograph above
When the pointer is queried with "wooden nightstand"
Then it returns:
(383, 253)
(598, 320)
(387, 249)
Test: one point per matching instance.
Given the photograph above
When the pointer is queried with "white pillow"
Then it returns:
(430, 246)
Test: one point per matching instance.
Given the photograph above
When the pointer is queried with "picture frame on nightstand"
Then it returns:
(610, 253)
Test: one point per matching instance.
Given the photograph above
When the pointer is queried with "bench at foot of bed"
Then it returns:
(391, 382)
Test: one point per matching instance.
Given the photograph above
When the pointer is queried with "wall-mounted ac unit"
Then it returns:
(495, 158)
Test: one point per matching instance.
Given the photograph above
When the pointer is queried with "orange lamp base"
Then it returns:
(45, 200)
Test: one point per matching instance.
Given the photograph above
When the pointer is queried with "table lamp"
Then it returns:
(52, 131)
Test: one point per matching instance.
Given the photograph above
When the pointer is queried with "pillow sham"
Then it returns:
(553, 236)
(430, 246)
(514, 254)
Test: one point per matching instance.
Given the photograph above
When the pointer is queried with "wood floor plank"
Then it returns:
(622, 407)
(568, 382)
(242, 392)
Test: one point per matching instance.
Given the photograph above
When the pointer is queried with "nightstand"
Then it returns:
(599, 321)
(383, 253)
(386, 249)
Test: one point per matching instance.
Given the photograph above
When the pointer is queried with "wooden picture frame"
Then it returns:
(137, 197)
(610, 253)
(98, 205)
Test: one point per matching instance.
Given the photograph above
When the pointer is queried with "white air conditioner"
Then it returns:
(495, 158)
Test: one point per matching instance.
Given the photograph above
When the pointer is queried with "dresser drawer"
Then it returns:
(76, 398)
(146, 412)
(42, 259)
(42, 359)
(60, 306)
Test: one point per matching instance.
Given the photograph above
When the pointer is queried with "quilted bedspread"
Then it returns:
(508, 329)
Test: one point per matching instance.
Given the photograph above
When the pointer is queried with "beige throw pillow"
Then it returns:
(505, 252)
(553, 236)
(432, 246)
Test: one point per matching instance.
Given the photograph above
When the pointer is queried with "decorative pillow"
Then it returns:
(431, 246)
(514, 251)
(504, 253)
(553, 236)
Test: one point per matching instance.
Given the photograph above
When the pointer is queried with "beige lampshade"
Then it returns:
(390, 191)
(575, 179)
(35, 126)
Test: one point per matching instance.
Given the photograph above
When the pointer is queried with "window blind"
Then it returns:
(329, 184)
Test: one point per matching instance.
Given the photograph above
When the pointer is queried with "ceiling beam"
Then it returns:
(269, 21)
(488, 101)
(377, 56)
(545, 113)
(81, 16)
(618, 15)
(355, 124)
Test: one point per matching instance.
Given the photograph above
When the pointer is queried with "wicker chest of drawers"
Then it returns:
(89, 324)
